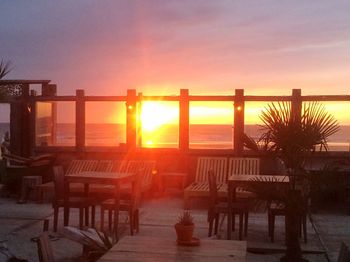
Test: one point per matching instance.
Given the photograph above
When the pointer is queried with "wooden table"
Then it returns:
(235, 181)
(105, 178)
(151, 249)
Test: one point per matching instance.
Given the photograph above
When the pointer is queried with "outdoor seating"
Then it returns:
(200, 187)
(147, 168)
(80, 202)
(218, 207)
(130, 205)
(278, 209)
(75, 166)
(243, 166)
(18, 167)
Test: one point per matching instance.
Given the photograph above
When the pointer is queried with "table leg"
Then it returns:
(116, 211)
(229, 215)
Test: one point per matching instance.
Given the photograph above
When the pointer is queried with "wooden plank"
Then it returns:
(142, 248)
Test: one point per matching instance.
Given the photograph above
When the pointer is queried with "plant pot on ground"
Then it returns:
(185, 227)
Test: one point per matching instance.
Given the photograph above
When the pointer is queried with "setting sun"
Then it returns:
(156, 114)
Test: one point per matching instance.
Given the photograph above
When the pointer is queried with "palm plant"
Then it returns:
(4, 68)
(292, 137)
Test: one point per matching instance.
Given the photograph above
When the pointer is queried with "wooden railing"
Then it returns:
(26, 104)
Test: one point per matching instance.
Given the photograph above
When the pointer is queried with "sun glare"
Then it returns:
(156, 114)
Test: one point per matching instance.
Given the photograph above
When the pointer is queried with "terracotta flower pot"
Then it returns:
(184, 233)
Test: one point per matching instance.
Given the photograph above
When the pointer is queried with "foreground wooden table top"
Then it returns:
(147, 249)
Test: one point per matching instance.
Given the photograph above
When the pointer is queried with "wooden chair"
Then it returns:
(75, 166)
(218, 207)
(344, 253)
(18, 167)
(147, 169)
(45, 251)
(82, 203)
(243, 166)
(130, 205)
(276, 208)
(200, 187)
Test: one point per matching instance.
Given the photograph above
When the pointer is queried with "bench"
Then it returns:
(223, 168)
(200, 187)
(75, 166)
(243, 166)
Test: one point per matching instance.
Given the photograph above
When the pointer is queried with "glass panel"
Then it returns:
(105, 123)
(252, 121)
(211, 125)
(44, 124)
(340, 141)
(159, 124)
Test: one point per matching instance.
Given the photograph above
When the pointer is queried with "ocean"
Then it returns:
(201, 136)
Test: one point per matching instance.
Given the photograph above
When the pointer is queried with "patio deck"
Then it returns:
(19, 223)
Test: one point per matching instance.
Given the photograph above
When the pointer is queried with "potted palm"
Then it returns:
(292, 138)
(184, 227)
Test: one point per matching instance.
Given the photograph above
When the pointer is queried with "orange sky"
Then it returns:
(158, 47)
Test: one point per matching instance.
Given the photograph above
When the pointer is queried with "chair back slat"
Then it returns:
(244, 166)
(104, 166)
(217, 164)
(77, 166)
(45, 251)
(119, 166)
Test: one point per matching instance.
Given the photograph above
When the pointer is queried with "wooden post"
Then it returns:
(184, 115)
(20, 128)
(80, 121)
(297, 105)
(238, 126)
(32, 118)
(131, 132)
(138, 121)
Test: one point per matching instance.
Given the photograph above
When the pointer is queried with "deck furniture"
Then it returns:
(144, 248)
(236, 181)
(218, 207)
(200, 187)
(243, 166)
(148, 168)
(76, 166)
(130, 205)
(67, 202)
(278, 209)
(45, 251)
(104, 178)
(18, 167)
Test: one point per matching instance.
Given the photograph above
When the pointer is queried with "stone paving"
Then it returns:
(19, 223)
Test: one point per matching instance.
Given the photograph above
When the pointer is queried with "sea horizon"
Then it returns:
(201, 135)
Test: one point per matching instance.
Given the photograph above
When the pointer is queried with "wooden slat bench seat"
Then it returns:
(200, 187)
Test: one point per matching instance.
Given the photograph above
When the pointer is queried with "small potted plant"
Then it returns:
(184, 227)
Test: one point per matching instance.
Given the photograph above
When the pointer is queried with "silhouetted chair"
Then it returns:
(218, 207)
(17, 167)
(276, 208)
(80, 202)
(130, 205)
(45, 252)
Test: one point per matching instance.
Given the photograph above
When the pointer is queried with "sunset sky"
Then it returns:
(158, 47)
